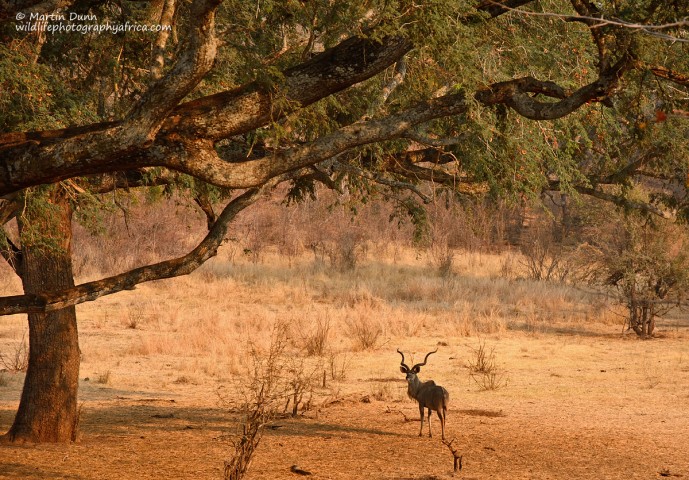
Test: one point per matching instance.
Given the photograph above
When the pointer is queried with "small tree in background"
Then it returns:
(648, 264)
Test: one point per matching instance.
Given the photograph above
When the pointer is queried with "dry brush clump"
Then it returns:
(280, 382)
(364, 331)
(484, 370)
(314, 335)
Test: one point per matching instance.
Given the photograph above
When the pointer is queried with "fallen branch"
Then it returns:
(455, 454)
(299, 471)
(406, 419)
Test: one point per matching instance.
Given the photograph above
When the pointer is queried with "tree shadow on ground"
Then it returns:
(15, 470)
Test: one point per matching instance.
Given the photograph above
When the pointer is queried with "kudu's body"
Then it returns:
(429, 395)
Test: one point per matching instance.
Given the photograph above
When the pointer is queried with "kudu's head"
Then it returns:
(411, 372)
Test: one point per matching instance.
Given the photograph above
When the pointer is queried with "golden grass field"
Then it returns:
(575, 397)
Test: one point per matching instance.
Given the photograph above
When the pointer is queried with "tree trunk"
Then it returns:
(48, 406)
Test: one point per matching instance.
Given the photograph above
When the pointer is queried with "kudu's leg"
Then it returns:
(421, 413)
(441, 416)
(430, 434)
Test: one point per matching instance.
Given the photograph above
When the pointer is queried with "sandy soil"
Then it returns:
(576, 404)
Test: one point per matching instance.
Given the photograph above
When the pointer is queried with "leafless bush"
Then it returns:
(346, 252)
(544, 258)
(257, 404)
(301, 379)
(314, 337)
(364, 332)
(280, 378)
(483, 369)
(338, 366)
(470, 225)
(18, 360)
(382, 392)
(135, 231)
(255, 241)
(244, 447)
(277, 382)
(645, 263)
(508, 267)
(134, 319)
(104, 378)
(442, 258)
(289, 242)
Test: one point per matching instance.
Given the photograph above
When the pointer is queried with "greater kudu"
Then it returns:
(427, 394)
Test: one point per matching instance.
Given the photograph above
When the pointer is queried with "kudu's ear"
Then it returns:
(416, 369)
(404, 370)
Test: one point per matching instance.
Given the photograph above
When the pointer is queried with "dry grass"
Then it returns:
(201, 322)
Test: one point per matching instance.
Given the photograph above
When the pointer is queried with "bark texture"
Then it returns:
(48, 406)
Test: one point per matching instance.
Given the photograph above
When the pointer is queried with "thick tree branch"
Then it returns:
(30, 159)
(496, 8)
(86, 292)
(192, 65)
(118, 140)
(234, 112)
(516, 94)
(622, 201)
(202, 199)
(199, 158)
(158, 55)
(665, 73)
(106, 183)
(407, 166)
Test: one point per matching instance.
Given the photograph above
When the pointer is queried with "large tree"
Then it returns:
(513, 97)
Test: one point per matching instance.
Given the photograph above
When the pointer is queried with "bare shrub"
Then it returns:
(136, 231)
(301, 379)
(319, 253)
(314, 337)
(483, 368)
(277, 382)
(246, 443)
(382, 392)
(103, 378)
(508, 267)
(257, 403)
(346, 252)
(255, 241)
(231, 248)
(364, 332)
(338, 366)
(543, 257)
(134, 319)
(17, 360)
(442, 258)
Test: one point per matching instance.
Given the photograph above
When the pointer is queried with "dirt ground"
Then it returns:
(574, 404)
